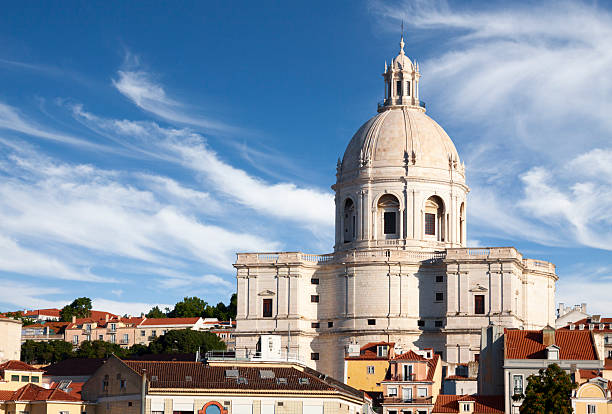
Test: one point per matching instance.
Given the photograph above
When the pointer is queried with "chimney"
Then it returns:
(142, 315)
(106, 317)
(548, 336)
(583, 307)
(73, 319)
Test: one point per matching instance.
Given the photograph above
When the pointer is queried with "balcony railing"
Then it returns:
(385, 102)
(409, 377)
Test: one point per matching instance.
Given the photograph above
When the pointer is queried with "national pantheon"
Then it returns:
(400, 271)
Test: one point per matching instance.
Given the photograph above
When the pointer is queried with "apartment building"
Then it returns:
(110, 328)
(365, 368)
(415, 380)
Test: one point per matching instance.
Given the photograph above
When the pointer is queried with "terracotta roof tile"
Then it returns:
(410, 356)
(527, 344)
(173, 374)
(483, 404)
(369, 351)
(32, 392)
(18, 366)
(46, 312)
(169, 321)
(74, 367)
(5, 395)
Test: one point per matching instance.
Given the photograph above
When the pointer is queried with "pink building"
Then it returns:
(414, 382)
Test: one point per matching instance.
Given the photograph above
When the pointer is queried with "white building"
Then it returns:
(400, 271)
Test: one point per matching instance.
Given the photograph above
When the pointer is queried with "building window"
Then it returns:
(314, 325)
(430, 224)
(143, 333)
(314, 281)
(591, 409)
(371, 321)
(479, 305)
(105, 383)
(439, 279)
(517, 380)
(314, 298)
(421, 392)
(349, 221)
(399, 88)
(330, 324)
(15, 378)
(434, 218)
(421, 323)
(101, 337)
(154, 334)
(122, 384)
(609, 354)
(370, 369)
(75, 339)
(112, 339)
(392, 391)
(407, 88)
(314, 356)
(267, 308)
(389, 219)
(439, 297)
(382, 351)
(25, 378)
(388, 206)
(438, 324)
(126, 338)
(466, 407)
(34, 379)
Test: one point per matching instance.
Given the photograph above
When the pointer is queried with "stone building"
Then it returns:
(401, 271)
(10, 339)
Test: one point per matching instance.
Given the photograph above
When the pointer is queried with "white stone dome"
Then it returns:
(401, 137)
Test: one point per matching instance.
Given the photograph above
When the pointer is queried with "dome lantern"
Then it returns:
(401, 83)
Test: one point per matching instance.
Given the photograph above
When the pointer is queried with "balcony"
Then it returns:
(389, 102)
(409, 377)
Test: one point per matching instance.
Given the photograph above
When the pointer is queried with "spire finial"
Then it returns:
(402, 39)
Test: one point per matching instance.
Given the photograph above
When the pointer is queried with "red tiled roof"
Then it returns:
(18, 366)
(169, 321)
(47, 312)
(74, 389)
(172, 374)
(410, 356)
(527, 344)
(74, 367)
(587, 321)
(432, 364)
(32, 392)
(483, 404)
(5, 395)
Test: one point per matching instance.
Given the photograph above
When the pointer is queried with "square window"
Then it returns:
(330, 324)
(314, 356)
(371, 321)
(370, 369)
(25, 378)
(430, 224)
(392, 392)
(439, 279)
(438, 324)
(314, 325)
(267, 308)
(314, 298)
(35, 379)
(314, 281)
(421, 323)
(439, 297)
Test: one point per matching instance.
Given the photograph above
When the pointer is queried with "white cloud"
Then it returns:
(27, 296)
(140, 88)
(309, 207)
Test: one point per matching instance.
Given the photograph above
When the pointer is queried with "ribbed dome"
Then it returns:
(399, 137)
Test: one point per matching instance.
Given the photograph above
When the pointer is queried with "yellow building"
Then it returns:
(593, 397)
(16, 374)
(366, 369)
(33, 399)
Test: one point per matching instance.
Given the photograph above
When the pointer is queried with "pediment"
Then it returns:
(479, 288)
(266, 293)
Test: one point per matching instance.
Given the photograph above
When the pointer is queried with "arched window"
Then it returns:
(388, 209)
(462, 223)
(212, 407)
(434, 218)
(349, 221)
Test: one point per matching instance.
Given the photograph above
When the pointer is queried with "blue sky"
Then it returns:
(142, 145)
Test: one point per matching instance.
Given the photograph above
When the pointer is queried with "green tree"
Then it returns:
(45, 352)
(222, 311)
(80, 307)
(189, 307)
(155, 312)
(549, 392)
(99, 349)
(19, 316)
(186, 341)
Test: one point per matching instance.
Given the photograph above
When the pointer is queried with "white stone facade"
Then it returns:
(400, 271)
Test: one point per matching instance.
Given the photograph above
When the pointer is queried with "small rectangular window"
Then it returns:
(314, 325)
(314, 281)
(407, 88)
(479, 306)
(392, 392)
(439, 297)
(25, 378)
(430, 224)
(389, 222)
(330, 324)
(15, 378)
(399, 88)
(591, 409)
(267, 308)
(439, 279)
(143, 333)
(314, 298)
(314, 356)
(438, 324)
(371, 321)
(370, 369)
(34, 379)
(421, 323)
